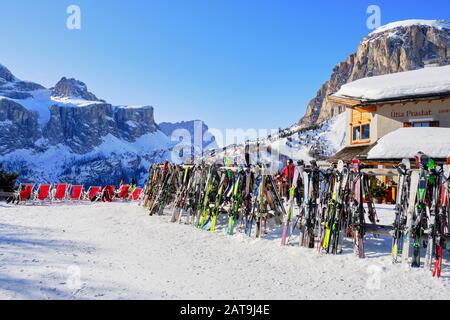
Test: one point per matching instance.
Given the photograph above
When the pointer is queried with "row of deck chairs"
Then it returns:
(67, 192)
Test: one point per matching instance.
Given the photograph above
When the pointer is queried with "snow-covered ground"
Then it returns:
(116, 251)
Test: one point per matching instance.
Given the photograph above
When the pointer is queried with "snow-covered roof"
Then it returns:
(438, 24)
(407, 142)
(423, 82)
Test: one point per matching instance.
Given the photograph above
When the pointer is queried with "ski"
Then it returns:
(407, 234)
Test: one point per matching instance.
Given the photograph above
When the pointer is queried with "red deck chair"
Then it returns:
(108, 193)
(76, 193)
(61, 191)
(123, 192)
(43, 192)
(93, 192)
(112, 188)
(136, 194)
(26, 193)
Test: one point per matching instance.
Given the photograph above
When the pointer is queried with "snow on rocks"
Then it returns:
(115, 251)
(426, 81)
(438, 24)
(435, 142)
(323, 141)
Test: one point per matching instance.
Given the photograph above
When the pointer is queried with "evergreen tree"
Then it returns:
(7, 180)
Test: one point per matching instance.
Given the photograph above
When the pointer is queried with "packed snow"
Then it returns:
(426, 81)
(144, 144)
(435, 142)
(438, 24)
(116, 251)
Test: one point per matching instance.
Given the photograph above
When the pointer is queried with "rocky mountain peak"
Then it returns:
(396, 47)
(6, 75)
(399, 25)
(72, 88)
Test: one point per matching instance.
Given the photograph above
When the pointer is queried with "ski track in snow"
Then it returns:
(122, 253)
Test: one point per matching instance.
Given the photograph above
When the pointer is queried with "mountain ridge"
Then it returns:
(67, 133)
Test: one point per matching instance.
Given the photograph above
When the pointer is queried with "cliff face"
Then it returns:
(18, 127)
(83, 129)
(77, 119)
(393, 48)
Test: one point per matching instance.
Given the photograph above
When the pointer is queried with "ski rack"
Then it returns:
(264, 170)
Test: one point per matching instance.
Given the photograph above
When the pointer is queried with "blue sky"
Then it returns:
(234, 63)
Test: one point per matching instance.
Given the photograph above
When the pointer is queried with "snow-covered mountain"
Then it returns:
(398, 46)
(66, 133)
(72, 89)
(317, 142)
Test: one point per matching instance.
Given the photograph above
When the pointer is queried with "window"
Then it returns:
(361, 133)
(421, 124)
(360, 124)
(365, 131)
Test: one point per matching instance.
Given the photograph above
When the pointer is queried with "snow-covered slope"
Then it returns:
(107, 163)
(317, 142)
(115, 251)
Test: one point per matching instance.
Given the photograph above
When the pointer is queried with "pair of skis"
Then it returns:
(359, 221)
(183, 191)
(441, 219)
(290, 214)
(332, 239)
(401, 207)
(203, 213)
